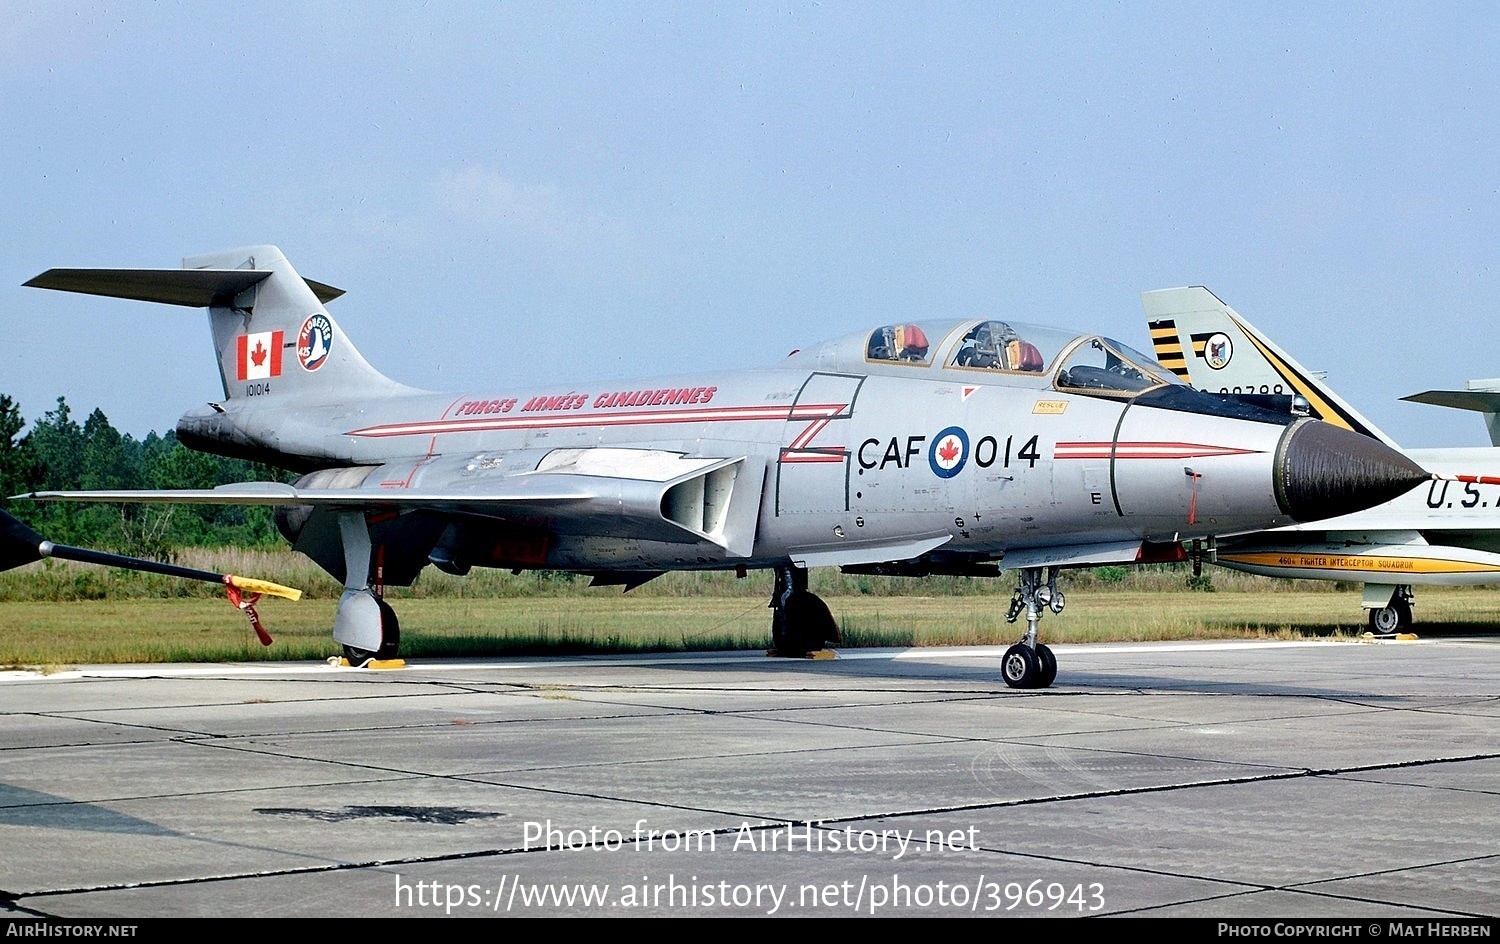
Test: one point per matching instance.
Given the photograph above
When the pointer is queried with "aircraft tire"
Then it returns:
(804, 625)
(1385, 621)
(390, 639)
(390, 632)
(1046, 670)
(1019, 666)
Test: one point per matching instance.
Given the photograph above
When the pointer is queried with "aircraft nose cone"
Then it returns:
(1324, 471)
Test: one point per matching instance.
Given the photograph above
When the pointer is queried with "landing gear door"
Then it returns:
(812, 468)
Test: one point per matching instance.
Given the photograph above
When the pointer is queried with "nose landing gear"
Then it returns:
(1029, 664)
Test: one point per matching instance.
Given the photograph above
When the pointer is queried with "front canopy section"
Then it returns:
(1101, 367)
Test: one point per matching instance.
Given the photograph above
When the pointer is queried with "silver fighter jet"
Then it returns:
(952, 447)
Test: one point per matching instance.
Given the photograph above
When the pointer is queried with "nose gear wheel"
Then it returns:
(1029, 664)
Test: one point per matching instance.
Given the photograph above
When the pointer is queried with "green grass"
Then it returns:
(34, 633)
(59, 613)
(61, 581)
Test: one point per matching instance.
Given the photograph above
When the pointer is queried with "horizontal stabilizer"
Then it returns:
(1480, 401)
(192, 288)
(1481, 397)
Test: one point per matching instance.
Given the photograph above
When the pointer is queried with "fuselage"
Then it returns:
(850, 452)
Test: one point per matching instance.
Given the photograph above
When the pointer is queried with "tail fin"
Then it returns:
(1481, 396)
(1209, 345)
(274, 336)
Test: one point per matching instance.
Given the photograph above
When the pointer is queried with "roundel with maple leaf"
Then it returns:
(948, 452)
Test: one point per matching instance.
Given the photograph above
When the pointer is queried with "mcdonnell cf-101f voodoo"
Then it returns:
(918, 448)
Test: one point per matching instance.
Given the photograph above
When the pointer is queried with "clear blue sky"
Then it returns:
(555, 193)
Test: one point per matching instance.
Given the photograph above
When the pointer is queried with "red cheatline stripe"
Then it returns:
(1144, 450)
(1083, 450)
(723, 414)
(812, 430)
(813, 457)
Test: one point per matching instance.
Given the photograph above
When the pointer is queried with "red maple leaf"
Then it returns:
(949, 450)
(258, 356)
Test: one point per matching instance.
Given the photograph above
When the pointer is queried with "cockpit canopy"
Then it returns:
(905, 342)
(1087, 364)
(996, 345)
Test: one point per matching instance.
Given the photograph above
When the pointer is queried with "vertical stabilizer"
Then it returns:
(279, 350)
(276, 339)
(1210, 346)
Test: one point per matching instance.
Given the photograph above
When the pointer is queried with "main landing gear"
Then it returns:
(1394, 615)
(364, 624)
(390, 636)
(1028, 664)
(800, 620)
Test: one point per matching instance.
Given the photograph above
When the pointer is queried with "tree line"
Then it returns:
(58, 452)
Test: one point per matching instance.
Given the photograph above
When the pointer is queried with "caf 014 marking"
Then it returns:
(947, 464)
